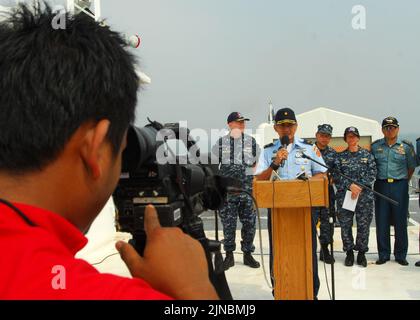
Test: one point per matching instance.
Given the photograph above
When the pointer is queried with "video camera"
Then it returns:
(180, 188)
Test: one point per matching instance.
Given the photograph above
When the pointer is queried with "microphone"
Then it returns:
(303, 155)
(302, 176)
(284, 143)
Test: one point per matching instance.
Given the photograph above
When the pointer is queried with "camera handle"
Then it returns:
(212, 248)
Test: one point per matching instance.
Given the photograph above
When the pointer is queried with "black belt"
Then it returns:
(390, 180)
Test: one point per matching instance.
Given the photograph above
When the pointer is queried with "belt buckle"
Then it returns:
(390, 180)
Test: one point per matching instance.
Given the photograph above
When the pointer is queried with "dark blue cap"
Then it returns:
(351, 130)
(285, 115)
(390, 122)
(236, 116)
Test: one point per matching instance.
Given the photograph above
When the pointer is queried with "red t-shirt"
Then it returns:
(38, 262)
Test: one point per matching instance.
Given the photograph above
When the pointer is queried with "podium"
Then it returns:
(291, 202)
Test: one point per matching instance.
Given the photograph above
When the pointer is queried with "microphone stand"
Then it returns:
(332, 215)
(331, 220)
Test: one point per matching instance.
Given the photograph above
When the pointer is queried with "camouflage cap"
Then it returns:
(325, 128)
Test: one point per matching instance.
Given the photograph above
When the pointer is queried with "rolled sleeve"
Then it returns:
(263, 162)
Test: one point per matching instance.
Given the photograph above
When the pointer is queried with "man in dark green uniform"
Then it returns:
(395, 160)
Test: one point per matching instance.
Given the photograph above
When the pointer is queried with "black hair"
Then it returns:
(54, 80)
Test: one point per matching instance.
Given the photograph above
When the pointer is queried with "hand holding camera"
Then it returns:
(186, 267)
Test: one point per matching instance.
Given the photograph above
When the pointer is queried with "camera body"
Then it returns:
(153, 174)
(180, 191)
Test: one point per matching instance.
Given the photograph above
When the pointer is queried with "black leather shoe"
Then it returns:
(324, 254)
(417, 264)
(381, 261)
(349, 259)
(229, 260)
(361, 259)
(402, 262)
(250, 261)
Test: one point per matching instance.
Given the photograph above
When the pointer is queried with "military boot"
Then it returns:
(361, 259)
(349, 259)
(250, 261)
(324, 254)
(229, 260)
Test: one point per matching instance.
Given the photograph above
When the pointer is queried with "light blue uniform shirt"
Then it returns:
(294, 164)
(393, 162)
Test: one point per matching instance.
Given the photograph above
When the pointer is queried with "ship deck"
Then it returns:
(375, 282)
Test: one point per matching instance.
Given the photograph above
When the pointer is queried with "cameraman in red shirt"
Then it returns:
(67, 97)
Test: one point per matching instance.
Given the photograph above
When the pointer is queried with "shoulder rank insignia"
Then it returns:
(269, 145)
(318, 153)
(307, 141)
(376, 141)
(407, 142)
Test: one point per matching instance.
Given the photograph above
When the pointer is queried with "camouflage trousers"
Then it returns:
(322, 214)
(238, 205)
(364, 215)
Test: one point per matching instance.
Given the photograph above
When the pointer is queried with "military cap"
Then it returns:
(285, 115)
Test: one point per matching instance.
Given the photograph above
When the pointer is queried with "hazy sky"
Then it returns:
(209, 57)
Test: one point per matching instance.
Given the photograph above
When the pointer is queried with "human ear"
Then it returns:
(94, 147)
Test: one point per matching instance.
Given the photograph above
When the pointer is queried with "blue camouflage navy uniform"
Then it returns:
(237, 158)
(418, 151)
(418, 160)
(393, 163)
(361, 167)
(293, 166)
(329, 155)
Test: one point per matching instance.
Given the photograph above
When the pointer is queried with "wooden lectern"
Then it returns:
(291, 202)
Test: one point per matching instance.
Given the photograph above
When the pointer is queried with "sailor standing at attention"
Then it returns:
(395, 160)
